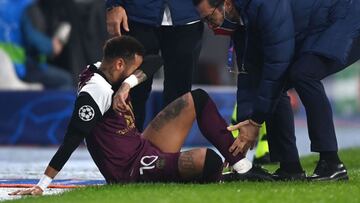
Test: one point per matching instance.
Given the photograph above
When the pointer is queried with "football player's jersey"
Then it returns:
(111, 137)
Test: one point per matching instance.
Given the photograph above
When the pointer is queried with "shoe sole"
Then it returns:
(230, 177)
(290, 179)
(336, 178)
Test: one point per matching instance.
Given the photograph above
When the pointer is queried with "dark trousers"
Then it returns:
(305, 76)
(281, 132)
(180, 48)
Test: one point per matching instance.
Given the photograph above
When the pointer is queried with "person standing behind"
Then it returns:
(298, 42)
(171, 27)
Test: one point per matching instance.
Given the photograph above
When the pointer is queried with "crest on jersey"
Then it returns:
(86, 113)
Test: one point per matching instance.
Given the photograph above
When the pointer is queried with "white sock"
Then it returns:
(242, 166)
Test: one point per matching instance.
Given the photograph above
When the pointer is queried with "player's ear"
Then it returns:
(120, 64)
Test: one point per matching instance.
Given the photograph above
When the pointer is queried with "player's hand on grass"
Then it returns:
(115, 18)
(248, 134)
(36, 190)
(119, 101)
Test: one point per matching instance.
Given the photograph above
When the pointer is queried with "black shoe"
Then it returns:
(328, 171)
(256, 173)
(281, 175)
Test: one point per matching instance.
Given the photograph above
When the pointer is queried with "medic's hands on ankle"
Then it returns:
(248, 134)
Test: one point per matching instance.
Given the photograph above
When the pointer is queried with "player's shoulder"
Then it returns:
(99, 89)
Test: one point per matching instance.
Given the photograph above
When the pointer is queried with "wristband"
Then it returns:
(44, 182)
(132, 80)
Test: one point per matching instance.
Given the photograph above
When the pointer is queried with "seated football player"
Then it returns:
(120, 151)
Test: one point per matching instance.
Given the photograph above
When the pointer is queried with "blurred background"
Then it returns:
(45, 44)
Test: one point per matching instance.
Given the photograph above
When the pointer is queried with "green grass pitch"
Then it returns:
(289, 192)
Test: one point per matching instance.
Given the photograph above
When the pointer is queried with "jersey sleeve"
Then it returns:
(84, 118)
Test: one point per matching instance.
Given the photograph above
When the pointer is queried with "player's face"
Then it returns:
(132, 66)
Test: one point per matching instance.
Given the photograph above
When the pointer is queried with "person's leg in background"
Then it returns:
(306, 75)
(282, 141)
(180, 48)
(148, 36)
(51, 77)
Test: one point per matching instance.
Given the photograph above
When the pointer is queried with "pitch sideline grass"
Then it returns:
(228, 192)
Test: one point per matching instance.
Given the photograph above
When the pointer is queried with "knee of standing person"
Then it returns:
(296, 72)
(308, 67)
(212, 168)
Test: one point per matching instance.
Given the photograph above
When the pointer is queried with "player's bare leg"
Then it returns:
(191, 163)
(169, 129)
(171, 126)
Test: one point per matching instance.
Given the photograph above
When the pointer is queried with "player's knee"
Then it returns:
(200, 98)
(213, 166)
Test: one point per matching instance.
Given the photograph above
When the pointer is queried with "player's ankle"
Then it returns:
(242, 166)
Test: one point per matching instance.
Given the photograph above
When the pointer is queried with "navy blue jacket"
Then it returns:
(276, 33)
(151, 12)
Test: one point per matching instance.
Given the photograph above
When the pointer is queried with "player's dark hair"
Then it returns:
(122, 47)
(212, 3)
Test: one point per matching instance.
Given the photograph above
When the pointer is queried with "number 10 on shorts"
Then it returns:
(147, 163)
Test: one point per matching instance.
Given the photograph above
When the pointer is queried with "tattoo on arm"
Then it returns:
(170, 112)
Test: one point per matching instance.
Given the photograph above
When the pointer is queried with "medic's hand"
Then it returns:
(248, 134)
(115, 18)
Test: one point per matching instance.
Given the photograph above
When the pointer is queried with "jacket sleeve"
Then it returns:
(275, 23)
(111, 3)
(246, 92)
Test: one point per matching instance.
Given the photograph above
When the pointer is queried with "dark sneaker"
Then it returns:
(256, 173)
(281, 175)
(327, 171)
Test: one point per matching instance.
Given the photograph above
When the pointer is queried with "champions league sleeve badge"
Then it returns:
(86, 113)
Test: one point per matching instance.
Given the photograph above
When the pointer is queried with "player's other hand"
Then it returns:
(115, 18)
(119, 101)
(36, 190)
(248, 134)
